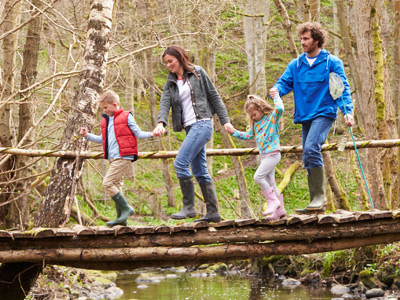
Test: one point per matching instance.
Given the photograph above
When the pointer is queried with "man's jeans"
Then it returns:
(193, 152)
(315, 133)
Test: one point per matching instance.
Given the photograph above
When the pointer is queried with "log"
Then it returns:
(304, 229)
(210, 152)
(129, 258)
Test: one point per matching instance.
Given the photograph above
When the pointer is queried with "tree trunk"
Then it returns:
(19, 209)
(287, 26)
(256, 15)
(315, 10)
(351, 59)
(361, 15)
(59, 194)
(11, 18)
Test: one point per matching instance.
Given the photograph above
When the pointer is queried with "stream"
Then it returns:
(175, 284)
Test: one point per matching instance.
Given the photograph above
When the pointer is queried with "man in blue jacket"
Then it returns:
(308, 77)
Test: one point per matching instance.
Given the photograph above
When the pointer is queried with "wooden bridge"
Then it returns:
(130, 247)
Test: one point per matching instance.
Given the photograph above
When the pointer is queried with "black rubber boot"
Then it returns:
(210, 198)
(123, 209)
(188, 210)
(317, 188)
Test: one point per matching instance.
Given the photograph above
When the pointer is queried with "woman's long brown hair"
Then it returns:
(180, 54)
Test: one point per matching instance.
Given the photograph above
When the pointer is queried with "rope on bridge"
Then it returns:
(210, 152)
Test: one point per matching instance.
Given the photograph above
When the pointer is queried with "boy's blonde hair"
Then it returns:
(109, 97)
(259, 104)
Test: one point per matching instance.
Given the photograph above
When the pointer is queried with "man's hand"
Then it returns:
(84, 132)
(274, 92)
(349, 120)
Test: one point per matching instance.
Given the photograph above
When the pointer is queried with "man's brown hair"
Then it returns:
(317, 32)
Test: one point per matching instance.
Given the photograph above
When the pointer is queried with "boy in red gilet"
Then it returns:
(119, 133)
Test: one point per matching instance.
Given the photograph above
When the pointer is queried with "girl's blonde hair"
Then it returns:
(259, 104)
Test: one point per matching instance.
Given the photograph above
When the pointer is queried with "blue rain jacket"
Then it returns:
(310, 86)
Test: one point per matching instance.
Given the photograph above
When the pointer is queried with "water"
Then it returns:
(217, 287)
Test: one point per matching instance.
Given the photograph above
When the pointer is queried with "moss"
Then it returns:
(367, 278)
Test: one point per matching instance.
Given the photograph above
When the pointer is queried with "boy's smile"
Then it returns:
(109, 108)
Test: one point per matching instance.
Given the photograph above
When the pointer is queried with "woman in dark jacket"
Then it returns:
(193, 99)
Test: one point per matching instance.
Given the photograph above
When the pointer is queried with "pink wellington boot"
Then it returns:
(280, 212)
(272, 200)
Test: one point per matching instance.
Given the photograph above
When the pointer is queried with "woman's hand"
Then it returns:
(229, 128)
(159, 130)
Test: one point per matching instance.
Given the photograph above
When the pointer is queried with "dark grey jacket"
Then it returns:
(206, 100)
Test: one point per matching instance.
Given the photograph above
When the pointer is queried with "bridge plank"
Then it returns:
(6, 234)
(362, 215)
(162, 229)
(144, 229)
(326, 219)
(82, 230)
(61, 232)
(44, 233)
(304, 219)
(376, 214)
(22, 234)
(245, 222)
(101, 230)
(124, 230)
(226, 223)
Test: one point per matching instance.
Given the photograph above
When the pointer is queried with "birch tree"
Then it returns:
(11, 16)
(256, 14)
(59, 194)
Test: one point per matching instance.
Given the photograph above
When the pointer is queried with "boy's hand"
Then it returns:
(274, 92)
(83, 132)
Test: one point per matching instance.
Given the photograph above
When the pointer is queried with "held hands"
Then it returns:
(349, 120)
(229, 128)
(159, 130)
(274, 92)
(84, 132)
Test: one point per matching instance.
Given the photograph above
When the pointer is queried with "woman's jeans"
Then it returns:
(315, 133)
(193, 152)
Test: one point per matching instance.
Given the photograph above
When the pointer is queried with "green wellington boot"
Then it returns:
(111, 223)
(188, 210)
(125, 210)
(210, 198)
(317, 189)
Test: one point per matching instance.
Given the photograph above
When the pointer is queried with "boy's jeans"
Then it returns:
(193, 152)
(315, 133)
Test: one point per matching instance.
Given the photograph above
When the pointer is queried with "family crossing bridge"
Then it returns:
(130, 247)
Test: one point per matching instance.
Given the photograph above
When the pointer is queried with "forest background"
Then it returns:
(57, 56)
